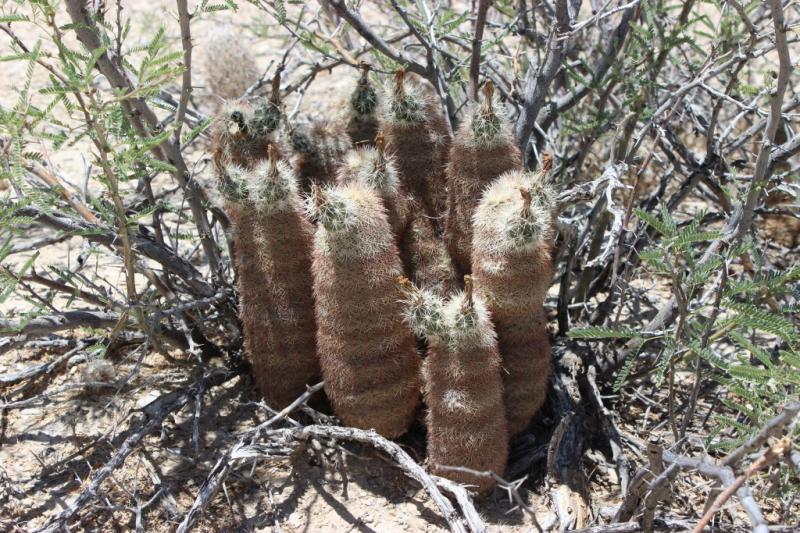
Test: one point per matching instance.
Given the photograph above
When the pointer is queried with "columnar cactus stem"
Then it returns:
(367, 353)
(462, 385)
(239, 136)
(272, 243)
(318, 151)
(483, 149)
(377, 169)
(512, 267)
(424, 254)
(417, 132)
(362, 124)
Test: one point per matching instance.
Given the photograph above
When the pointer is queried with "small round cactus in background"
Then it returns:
(230, 67)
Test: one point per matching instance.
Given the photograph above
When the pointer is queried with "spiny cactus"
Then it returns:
(267, 114)
(424, 255)
(272, 245)
(483, 149)
(416, 131)
(318, 151)
(462, 385)
(377, 169)
(362, 123)
(240, 134)
(512, 267)
(230, 67)
(367, 353)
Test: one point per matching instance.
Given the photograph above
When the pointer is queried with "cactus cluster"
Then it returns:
(324, 225)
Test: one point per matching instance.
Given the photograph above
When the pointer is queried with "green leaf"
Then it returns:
(601, 332)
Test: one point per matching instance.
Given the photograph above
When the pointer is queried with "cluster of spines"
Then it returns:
(362, 124)
(318, 151)
(241, 134)
(268, 114)
(374, 167)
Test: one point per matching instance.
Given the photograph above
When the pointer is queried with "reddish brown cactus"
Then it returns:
(376, 168)
(416, 131)
(272, 243)
(425, 257)
(317, 152)
(462, 385)
(512, 267)
(367, 353)
(362, 122)
(482, 150)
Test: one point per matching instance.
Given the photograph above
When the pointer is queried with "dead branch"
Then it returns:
(393, 450)
(772, 455)
(511, 488)
(33, 372)
(49, 324)
(157, 411)
(477, 41)
(538, 81)
(474, 521)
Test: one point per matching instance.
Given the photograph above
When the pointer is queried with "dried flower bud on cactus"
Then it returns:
(416, 130)
(483, 149)
(272, 244)
(512, 267)
(377, 169)
(362, 123)
(230, 67)
(462, 385)
(367, 353)
(318, 151)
